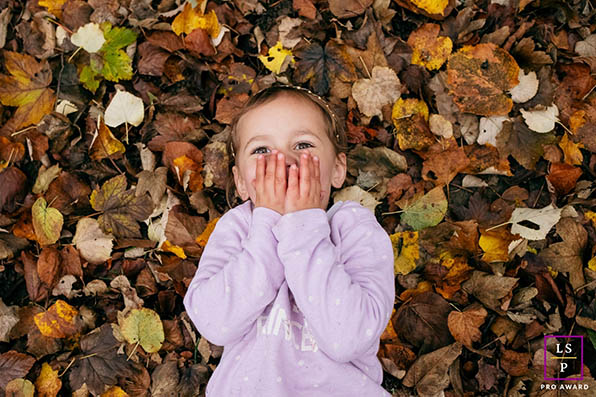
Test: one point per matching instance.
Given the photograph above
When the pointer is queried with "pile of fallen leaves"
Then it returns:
(472, 132)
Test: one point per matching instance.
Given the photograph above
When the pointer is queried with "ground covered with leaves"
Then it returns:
(472, 136)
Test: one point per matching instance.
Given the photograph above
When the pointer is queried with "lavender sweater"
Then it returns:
(298, 301)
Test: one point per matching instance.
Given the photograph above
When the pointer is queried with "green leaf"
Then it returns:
(427, 211)
(117, 38)
(47, 222)
(120, 208)
(117, 66)
(90, 79)
(592, 337)
(143, 326)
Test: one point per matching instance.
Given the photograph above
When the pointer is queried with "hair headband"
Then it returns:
(317, 98)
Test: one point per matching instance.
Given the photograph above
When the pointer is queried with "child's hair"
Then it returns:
(335, 130)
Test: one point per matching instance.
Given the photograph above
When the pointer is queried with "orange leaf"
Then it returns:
(495, 244)
(464, 325)
(105, 144)
(478, 77)
(204, 236)
(48, 384)
(53, 6)
(58, 321)
(571, 150)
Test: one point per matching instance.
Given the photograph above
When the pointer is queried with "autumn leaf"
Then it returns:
(275, 60)
(99, 364)
(489, 288)
(89, 37)
(495, 244)
(27, 88)
(383, 88)
(479, 76)
(105, 144)
(92, 243)
(47, 222)
(124, 108)
(14, 365)
(143, 326)
(464, 325)
(203, 238)
(120, 208)
(429, 373)
(194, 18)
(59, 321)
(541, 221)
(426, 211)
(48, 383)
(20, 388)
(405, 251)
(320, 65)
(525, 145)
(433, 8)
(430, 50)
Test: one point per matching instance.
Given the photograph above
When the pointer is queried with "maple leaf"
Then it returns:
(121, 208)
(110, 62)
(27, 88)
(275, 60)
(100, 364)
(464, 325)
(383, 88)
(194, 18)
(525, 145)
(320, 65)
(429, 373)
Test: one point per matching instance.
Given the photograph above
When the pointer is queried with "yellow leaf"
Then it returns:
(276, 57)
(204, 237)
(58, 321)
(495, 244)
(591, 216)
(431, 6)
(405, 251)
(53, 6)
(193, 18)
(571, 150)
(48, 383)
(577, 120)
(389, 333)
(404, 108)
(105, 144)
(174, 249)
(430, 50)
(27, 88)
(114, 391)
(592, 264)
(47, 222)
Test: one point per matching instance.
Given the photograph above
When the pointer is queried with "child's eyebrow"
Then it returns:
(296, 133)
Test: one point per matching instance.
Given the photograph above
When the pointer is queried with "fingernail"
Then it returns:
(280, 156)
(260, 157)
(316, 158)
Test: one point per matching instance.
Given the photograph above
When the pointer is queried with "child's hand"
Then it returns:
(270, 182)
(307, 193)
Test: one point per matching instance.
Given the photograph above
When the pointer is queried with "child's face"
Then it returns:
(293, 126)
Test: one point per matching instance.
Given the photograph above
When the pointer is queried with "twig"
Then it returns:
(67, 367)
(133, 350)
(365, 67)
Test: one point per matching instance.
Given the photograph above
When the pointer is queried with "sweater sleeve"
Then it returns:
(239, 274)
(346, 290)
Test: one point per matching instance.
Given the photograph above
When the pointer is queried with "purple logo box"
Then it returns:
(581, 339)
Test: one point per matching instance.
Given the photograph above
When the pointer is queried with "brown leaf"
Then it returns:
(525, 145)
(14, 365)
(164, 379)
(174, 127)
(68, 193)
(99, 364)
(152, 59)
(429, 372)
(443, 161)
(13, 183)
(37, 291)
(198, 42)
(423, 321)
(514, 363)
(566, 256)
(48, 266)
(59, 321)
(305, 8)
(489, 288)
(464, 325)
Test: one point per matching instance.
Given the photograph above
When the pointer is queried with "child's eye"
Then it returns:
(305, 143)
(257, 150)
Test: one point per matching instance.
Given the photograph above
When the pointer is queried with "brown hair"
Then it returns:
(335, 130)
